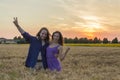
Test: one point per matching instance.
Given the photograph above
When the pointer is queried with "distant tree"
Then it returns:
(70, 40)
(19, 37)
(96, 40)
(85, 40)
(90, 41)
(15, 38)
(19, 40)
(100, 41)
(22, 41)
(75, 40)
(115, 40)
(105, 40)
(65, 40)
(81, 40)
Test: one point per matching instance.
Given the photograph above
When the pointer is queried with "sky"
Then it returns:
(74, 18)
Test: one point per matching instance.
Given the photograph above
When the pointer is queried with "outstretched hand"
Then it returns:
(15, 21)
(68, 48)
(65, 53)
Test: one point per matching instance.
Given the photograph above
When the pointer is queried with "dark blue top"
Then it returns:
(34, 49)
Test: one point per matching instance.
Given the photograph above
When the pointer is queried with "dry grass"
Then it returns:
(81, 63)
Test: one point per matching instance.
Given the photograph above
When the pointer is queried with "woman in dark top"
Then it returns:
(38, 45)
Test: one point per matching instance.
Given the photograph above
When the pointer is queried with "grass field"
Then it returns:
(81, 63)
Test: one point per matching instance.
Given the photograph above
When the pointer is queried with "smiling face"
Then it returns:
(56, 37)
(43, 34)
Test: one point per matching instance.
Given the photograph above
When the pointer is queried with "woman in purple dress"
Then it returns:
(54, 52)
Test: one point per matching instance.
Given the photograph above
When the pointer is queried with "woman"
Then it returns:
(54, 52)
(38, 45)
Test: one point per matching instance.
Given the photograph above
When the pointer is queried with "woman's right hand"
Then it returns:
(15, 21)
(17, 25)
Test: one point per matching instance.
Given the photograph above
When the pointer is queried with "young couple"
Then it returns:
(43, 53)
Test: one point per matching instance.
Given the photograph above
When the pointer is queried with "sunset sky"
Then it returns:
(74, 18)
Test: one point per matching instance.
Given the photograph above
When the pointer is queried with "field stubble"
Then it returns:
(81, 63)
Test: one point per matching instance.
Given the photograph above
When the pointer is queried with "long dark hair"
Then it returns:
(60, 41)
(48, 34)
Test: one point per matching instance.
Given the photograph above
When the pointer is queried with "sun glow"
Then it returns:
(89, 35)
(92, 23)
(95, 18)
(92, 27)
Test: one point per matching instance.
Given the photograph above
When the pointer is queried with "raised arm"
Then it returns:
(18, 26)
(61, 54)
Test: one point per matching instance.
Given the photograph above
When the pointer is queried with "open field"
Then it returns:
(95, 45)
(81, 63)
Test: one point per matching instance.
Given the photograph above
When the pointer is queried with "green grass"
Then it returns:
(94, 45)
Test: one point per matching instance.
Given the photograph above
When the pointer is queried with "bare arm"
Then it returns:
(17, 25)
(61, 54)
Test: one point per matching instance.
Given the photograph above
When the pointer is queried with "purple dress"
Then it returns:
(52, 61)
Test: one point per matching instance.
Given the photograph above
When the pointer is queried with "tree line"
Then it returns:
(86, 40)
(21, 40)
